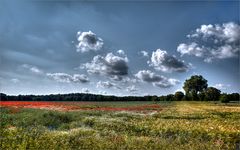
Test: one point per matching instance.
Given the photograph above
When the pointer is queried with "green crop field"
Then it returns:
(174, 125)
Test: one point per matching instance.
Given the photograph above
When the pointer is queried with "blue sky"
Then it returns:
(119, 48)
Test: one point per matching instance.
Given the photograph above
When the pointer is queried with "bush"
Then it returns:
(212, 94)
(170, 97)
(224, 98)
(187, 97)
(178, 96)
(234, 97)
(55, 119)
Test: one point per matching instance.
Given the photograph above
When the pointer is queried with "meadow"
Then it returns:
(120, 125)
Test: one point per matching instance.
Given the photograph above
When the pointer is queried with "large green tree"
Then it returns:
(194, 85)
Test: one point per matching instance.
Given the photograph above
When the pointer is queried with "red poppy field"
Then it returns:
(74, 106)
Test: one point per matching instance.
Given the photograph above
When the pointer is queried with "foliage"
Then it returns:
(74, 97)
(195, 84)
(179, 96)
(212, 94)
(201, 96)
(224, 98)
(234, 97)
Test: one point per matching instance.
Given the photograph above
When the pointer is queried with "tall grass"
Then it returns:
(180, 125)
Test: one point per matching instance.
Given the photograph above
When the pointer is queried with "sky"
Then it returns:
(117, 47)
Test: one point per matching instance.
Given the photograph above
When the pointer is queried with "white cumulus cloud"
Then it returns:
(106, 84)
(88, 41)
(121, 52)
(212, 42)
(161, 60)
(63, 77)
(166, 83)
(110, 65)
(148, 76)
(131, 88)
(144, 53)
(156, 80)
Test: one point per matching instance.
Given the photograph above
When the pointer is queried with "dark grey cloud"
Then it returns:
(66, 78)
(110, 65)
(88, 41)
(212, 42)
(156, 80)
(161, 60)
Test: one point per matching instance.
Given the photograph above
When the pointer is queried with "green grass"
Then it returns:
(180, 125)
(95, 104)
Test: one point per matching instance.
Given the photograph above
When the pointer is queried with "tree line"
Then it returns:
(196, 89)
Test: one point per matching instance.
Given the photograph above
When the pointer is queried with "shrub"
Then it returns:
(170, 97)
(212, 94)
(234, 97)
(187, 97)
(55, 119)
(224, 98)
(178, 96)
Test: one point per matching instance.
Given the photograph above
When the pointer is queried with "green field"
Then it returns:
(178, 125)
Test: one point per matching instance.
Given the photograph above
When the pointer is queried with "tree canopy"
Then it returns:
(212, 94)
(195, 84)
(179, 96)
